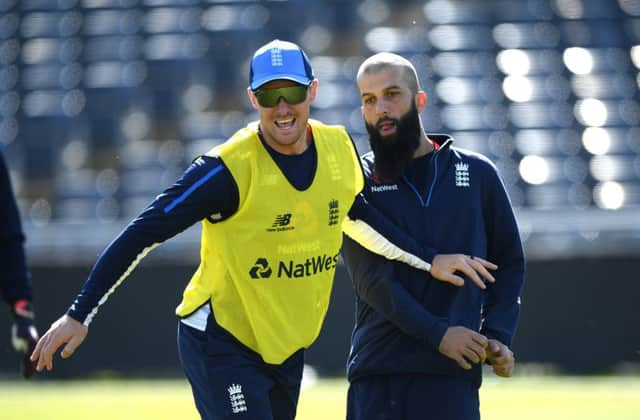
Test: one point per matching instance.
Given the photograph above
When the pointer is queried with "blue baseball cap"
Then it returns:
(280, 60)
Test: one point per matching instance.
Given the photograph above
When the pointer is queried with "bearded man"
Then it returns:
(418, 346)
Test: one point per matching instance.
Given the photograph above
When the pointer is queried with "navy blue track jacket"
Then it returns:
(454, 200)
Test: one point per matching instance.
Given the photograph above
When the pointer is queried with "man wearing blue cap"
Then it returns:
(272, 200)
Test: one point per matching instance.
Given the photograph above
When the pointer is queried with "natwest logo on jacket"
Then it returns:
(381, 186)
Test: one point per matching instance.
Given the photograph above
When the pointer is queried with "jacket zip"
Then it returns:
(435, 176)
(423, 203)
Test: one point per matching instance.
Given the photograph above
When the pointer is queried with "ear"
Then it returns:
(421, 100)
(313, 89)
(252, 98)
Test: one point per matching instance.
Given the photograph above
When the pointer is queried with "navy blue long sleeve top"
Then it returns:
(15, 283)
(455, 200)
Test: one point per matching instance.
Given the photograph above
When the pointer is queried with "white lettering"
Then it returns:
(382, 188)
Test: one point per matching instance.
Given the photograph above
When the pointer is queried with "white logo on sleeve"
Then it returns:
(462, 175)
(238, 404)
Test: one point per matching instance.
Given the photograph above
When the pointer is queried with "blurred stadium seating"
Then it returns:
(103, 103)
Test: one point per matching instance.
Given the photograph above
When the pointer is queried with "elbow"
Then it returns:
(372, 285)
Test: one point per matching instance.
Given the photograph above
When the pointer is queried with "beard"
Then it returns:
(393, 153)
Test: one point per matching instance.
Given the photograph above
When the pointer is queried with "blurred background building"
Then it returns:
(103, 104)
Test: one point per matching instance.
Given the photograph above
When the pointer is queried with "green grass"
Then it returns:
(561, 398)
(522, 398)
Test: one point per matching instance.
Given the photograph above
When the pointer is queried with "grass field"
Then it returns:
(521, 398)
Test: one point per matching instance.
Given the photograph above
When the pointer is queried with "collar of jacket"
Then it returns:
(440, 140)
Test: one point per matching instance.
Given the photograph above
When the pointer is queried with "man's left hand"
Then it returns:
(444, 267)
(501, 358)
(24, 335)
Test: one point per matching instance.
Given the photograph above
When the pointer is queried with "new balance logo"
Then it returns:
(282, 220)
(462, 175)
(261, 269)
(236, 397)
(334, 212)
(281, 223)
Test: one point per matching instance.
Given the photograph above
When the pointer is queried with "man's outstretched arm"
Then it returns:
(205, 189)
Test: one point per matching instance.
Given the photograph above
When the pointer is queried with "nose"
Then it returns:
(282, 104)
(381, 107)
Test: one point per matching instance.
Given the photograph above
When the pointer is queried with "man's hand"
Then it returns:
(65, 330)
(501, 358)
(463, 345)
(24, 334)
(444, 266)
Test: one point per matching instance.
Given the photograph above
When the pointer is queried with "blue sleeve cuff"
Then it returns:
(436, 332)
(71, 312)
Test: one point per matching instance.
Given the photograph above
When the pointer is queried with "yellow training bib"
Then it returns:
(268, 269)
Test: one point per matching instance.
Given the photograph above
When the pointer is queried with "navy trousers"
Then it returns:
(413, 397)
(230, 381)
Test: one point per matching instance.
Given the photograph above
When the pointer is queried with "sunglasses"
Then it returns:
(292, 95)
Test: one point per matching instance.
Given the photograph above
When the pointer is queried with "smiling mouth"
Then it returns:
(285, 124)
